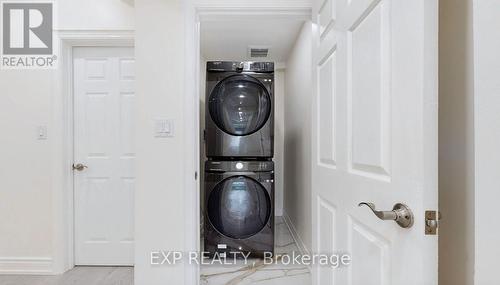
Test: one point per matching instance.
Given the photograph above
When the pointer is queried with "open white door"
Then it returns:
(375, 138)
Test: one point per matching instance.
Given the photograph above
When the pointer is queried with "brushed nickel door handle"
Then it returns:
(79, 167)
(400, 213)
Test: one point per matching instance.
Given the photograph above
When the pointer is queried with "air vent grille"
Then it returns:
(259, 52)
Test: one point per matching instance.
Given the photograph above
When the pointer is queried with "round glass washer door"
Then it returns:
(239, 207)
(240, 105)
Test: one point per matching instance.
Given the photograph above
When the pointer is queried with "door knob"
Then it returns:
(400, 213)
(79, 167)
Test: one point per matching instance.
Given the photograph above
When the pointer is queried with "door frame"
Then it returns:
(196, 13)
(63, 121)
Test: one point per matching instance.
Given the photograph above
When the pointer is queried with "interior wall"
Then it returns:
(95, 15)
(254, 3)
(163, 58)
(456, 143)
(297, 175)
(487, 139)
(203, 80)
(29, 172)
(25, 179)
(279, 137)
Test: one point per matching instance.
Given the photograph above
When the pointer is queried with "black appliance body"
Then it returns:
(239, 117)
(239, 207)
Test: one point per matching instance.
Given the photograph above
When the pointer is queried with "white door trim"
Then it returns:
(194, 16)
(63, 210)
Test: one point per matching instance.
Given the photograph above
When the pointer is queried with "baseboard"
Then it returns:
(296, 237)
(26, 265)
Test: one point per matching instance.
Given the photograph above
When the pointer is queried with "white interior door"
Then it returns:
(103, 142)
(375, 138)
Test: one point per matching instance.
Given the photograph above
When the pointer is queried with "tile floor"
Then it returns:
(256, 272)
(79, 275)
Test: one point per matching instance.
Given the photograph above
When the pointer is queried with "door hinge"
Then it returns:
(432, 222)
(196, 175)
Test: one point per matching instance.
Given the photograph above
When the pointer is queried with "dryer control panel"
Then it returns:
(240, 66)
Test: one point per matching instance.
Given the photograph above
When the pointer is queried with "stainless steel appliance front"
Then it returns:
(239, 110)
(239, 207)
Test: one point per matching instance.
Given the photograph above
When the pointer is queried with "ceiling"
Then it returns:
(229, 40)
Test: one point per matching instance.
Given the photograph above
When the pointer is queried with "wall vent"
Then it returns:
(258, 52)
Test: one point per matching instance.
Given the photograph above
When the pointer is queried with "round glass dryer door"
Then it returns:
(239, 207)
(240, 105)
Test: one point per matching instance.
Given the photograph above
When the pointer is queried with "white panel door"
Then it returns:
(103, 141)
(375, 138)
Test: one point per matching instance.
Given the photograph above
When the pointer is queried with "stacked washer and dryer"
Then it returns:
(239, 171)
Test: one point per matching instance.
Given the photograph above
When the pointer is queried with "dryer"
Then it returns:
(239, 113)
(239, 207)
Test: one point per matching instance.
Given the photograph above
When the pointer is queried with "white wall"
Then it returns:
(298, 97)
(25, 174)
(203, 81)
(254, 3)
(30, 172)
(279, 138)
(161, 64)
(469, 140)
(95, 14)
(487, 139)
(456, 143)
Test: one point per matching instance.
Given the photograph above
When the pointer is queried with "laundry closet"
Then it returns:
(254, 135)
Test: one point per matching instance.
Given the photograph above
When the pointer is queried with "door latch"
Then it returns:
(432, 222)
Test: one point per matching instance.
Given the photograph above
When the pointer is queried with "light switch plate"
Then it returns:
(41, 132)
(164, 128)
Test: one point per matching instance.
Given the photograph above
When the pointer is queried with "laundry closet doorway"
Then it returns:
(104, 155)
(375, 145)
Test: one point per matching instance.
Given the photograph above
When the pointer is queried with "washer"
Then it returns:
(239, 110)
(239, 207)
